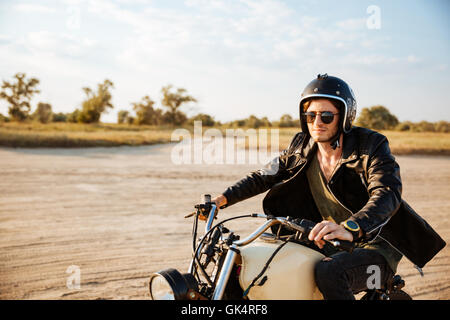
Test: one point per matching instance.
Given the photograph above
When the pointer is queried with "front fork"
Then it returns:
(225, 272)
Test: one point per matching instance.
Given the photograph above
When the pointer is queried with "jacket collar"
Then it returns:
(349, 152)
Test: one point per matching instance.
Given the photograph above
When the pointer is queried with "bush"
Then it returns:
(59, 117)
(122, 116)
(206, 119)
(3, 118)
(425, 126)
(145, 113)
(286, 121)
(404, 126)
(73, 116)
(96, 103)
(378, 118)
(43, 113)
(442, 126)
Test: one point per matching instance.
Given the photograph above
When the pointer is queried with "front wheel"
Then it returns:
(378, 295)
(399, 295)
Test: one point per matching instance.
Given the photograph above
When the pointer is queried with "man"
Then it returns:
(345, 179)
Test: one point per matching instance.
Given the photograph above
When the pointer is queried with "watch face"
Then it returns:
(352, 225)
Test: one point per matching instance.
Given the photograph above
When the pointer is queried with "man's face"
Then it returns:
(319, 131)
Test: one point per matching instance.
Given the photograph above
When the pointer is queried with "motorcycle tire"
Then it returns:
(399, 295)
(394, 295)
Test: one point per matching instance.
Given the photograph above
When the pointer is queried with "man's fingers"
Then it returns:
(339, 234)
(329, 228)
(315, 231)
(220, 201)
(332, 235)
(320, 243)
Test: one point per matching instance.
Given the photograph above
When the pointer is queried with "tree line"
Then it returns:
(380, 118)
(19, 92)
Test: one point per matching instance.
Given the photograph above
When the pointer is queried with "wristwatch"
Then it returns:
(352, 227)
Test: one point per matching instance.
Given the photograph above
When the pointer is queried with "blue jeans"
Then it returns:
(342, 274)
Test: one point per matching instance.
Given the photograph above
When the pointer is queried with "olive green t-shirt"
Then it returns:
(332, 210)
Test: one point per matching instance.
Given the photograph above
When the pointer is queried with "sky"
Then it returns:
(236, 57)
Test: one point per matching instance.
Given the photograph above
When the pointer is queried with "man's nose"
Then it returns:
(318, 119)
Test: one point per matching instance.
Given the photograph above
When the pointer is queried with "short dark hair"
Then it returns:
(336, 103)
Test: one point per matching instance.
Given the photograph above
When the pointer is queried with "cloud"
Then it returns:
(413, 59)
(216, 48)
(261, 33)
(56, 44)
(352, 24)
(33, 8)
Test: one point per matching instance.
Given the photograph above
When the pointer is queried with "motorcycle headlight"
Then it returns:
(169, 284)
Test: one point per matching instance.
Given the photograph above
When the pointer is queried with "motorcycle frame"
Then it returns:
(233, 251)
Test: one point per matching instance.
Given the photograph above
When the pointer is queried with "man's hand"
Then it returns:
(328, 230)
(220, 201)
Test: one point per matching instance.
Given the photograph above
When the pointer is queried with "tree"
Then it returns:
(73, 116)
(43, 113)
(253, 122)
(404, 126)
(122, 116)
(173, 101)
(286, 120)
(3, 118)
(145, 114)
(19, 95)
(206, 119)
(96, 103)
(378, 118)
(442, 126)
(425, 126)
(265, 122)
(59, 117)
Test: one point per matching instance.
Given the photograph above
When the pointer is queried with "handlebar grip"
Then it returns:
(343, 244)
(206, 198)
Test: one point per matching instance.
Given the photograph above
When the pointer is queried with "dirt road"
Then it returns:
(116, 214)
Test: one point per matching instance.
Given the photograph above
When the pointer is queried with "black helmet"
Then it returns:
(325, 86)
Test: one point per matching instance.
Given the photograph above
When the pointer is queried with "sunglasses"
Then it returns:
(327, 117)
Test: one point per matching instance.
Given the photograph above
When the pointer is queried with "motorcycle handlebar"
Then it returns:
(303, 226)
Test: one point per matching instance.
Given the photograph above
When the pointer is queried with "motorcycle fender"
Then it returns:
(290, 275)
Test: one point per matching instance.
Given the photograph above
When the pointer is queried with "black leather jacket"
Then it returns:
(367, 181)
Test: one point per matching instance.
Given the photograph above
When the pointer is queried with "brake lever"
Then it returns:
(342, 244)
(190, 214)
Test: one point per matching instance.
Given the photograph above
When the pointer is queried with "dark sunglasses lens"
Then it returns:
(309, 117)
(327, 117)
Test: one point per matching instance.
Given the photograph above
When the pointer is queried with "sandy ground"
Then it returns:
(117, 214)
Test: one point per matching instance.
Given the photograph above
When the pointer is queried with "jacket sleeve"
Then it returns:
(256, 182)
(262, 180)
(384, 187)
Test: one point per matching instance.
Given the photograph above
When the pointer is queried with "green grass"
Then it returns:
(74, 135)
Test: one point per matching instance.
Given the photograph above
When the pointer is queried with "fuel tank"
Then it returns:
(290, 275)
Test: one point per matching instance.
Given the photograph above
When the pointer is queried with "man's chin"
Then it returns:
(321, 139)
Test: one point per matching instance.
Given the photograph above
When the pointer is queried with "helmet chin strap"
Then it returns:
(335, 140)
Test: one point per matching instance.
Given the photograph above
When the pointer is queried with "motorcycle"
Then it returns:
(262, 266)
